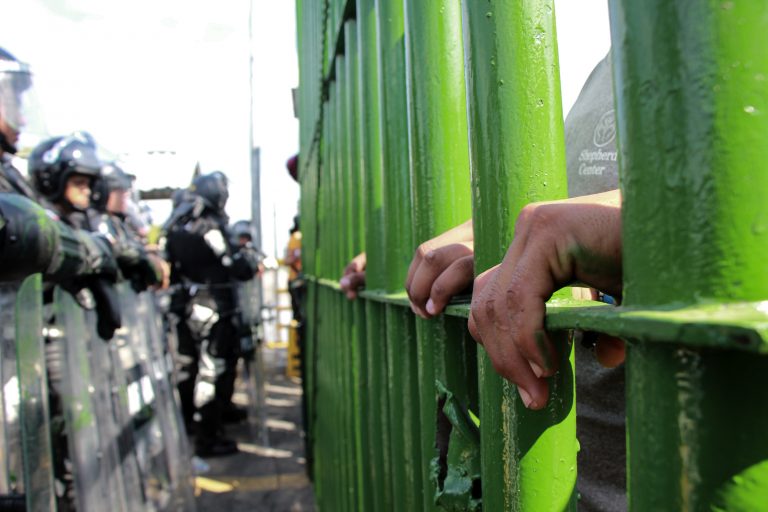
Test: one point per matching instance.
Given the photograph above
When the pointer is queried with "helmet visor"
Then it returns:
(19, 105)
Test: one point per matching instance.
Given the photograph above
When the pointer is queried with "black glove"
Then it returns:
(245, 264)
(107, 306)
(136, 266)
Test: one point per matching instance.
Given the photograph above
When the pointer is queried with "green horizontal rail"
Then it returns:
(739, 326)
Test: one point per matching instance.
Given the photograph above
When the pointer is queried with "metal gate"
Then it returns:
(416, 115)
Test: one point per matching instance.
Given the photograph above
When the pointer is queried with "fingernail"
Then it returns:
(536, 369)
(430, 307)
(525, 397)
(344, 282)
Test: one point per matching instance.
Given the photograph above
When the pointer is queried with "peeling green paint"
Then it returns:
(456, 471)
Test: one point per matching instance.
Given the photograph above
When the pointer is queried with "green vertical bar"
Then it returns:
(357, 233)
(334, 230)
(320, 418)
(371, 156)
(691, 97)
(394, 143)
(378, 427)
(517, 156)
(342, 234)
(440, 179)
(356, 174)
(404, 412)
(371, 164)
(345, 225)
(403, 374)
(361, 407)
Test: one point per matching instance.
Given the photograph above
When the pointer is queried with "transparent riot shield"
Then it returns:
(167, 403)
(79, 445)
(120, 470)
(148, 435)
(123, 443)
(26, 477)
(249, 297)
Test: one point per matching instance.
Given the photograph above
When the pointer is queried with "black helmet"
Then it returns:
(212, 188)
(112, 178)
(241, 228)
(53, 161)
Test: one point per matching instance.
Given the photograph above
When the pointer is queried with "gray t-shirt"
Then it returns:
(590, 140)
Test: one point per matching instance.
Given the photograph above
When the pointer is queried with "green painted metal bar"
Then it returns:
(344, 477)
(319, 430)
(691, 101)
(402, 379)
(372, 172)
(517, 156)
(370, 149)
(401, 351)
(360, 389)
(440, 179)
(332, 233)
(357, 190)
(381, 460)
(394, 142)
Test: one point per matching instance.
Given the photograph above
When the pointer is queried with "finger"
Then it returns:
(356, 265)
(418, 256)
(355, 281)
(434, 263)
(472, 326)
(510, 364)
(525, 300)
(453, 280)
(476, 313)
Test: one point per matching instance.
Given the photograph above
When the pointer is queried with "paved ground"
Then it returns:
(263, 477)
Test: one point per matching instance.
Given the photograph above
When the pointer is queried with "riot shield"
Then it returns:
(26, 477)
(148, 435)
(249, 298)
(115, 430)
(79, 447)
(168, 410)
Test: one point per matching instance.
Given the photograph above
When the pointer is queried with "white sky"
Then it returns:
(172, 75)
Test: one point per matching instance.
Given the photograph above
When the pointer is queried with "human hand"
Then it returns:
(441, 268)
(354, 276)
(555, 244)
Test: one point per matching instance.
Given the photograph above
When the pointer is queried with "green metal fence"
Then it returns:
(419, 114)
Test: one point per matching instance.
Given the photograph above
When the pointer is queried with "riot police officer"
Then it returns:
(110, 198)
(63, 171)
(205, 266)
